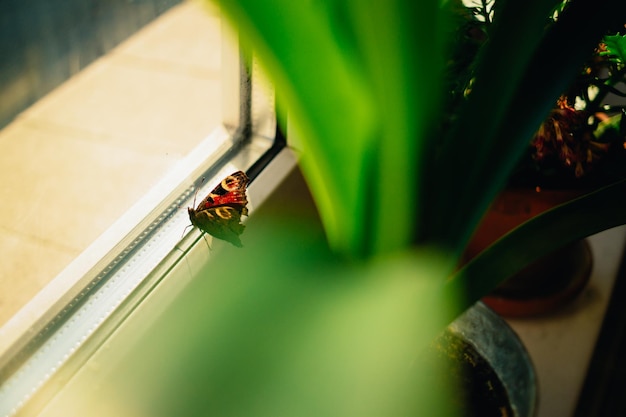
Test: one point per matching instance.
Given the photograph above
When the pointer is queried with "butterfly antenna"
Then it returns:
(193, 205)
(196, 193)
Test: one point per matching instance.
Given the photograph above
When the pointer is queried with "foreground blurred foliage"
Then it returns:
(286, 327)
(294, 326)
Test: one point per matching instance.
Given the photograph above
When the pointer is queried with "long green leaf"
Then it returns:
(501, 68)
(325, 91)
(293, 331)
(585, 216)
(402, 45)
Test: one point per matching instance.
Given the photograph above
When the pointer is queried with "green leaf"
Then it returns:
(293, 331)
(326, 94)
(616, 47)
(349, 76)
(582, 217)
(402, 45)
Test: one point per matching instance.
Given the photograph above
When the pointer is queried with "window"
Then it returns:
(97, 176)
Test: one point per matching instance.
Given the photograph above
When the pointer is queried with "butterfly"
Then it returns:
(219, 214)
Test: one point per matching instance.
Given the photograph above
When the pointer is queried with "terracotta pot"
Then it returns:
(546, 284)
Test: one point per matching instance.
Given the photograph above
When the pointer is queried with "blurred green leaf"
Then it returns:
(295, 331)
(326, 93)
(402, 44)
(349, 75)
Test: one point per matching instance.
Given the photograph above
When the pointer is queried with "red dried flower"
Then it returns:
(567, 134)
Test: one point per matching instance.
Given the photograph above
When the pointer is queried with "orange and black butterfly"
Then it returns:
(219, 214)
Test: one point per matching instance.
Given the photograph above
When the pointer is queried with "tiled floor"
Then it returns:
(80, 157)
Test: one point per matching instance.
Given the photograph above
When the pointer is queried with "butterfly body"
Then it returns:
(219, 214)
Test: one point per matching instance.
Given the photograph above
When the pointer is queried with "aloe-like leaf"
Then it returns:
(321, 81)
(500, 69)
(515, 87)
(294, 331)
(355, 155)
(402, 45)
(579, 218)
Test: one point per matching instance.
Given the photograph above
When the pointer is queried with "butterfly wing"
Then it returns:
(219, 214)
(222, 222)
(230, 191)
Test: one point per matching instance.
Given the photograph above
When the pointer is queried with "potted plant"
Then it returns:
(578, 148)
(303, 328)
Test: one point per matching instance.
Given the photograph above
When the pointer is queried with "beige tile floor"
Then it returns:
(72, 163)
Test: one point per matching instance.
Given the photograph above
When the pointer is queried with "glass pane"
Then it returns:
(78, 158)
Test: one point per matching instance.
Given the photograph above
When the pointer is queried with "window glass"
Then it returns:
(83, 154)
